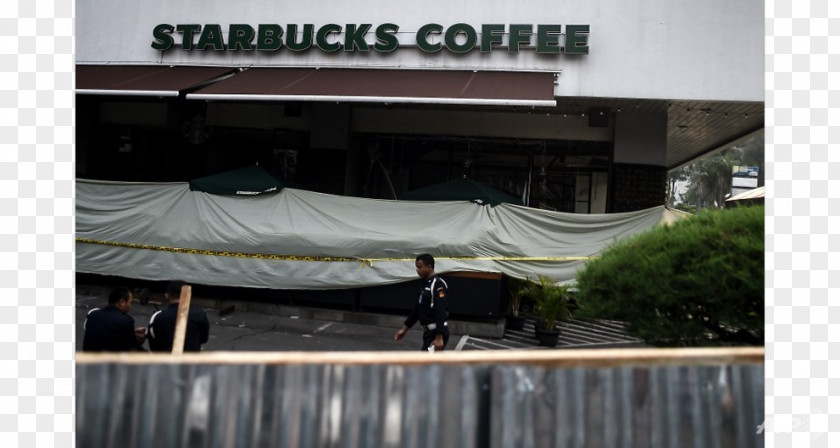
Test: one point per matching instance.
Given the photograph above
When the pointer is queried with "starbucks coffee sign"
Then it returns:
(430, 38)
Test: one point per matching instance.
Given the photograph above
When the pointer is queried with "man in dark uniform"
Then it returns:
(431, 309)
(111, 329)
(162, 324)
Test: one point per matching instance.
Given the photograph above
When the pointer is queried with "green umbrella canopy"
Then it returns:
(248, 181)
(460, 190)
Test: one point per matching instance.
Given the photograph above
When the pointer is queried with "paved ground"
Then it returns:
(253, 331)
(294, 329)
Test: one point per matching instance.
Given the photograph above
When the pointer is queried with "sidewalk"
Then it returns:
(258, 326)
(253, 326)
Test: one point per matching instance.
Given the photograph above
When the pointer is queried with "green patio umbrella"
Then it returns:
(460, 190)
(248, 181)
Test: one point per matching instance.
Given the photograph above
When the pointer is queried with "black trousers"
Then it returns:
(429, 337)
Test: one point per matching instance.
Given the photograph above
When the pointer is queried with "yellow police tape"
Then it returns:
(364, 261)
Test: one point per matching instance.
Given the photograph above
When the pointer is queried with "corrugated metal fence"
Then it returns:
(367, 400)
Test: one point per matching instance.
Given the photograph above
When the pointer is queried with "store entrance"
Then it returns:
(567, 176)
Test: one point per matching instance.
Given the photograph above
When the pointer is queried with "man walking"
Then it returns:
(431, 309)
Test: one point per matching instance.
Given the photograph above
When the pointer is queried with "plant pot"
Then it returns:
(548, 338)
(515, 323)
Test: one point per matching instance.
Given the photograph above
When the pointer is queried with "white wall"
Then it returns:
(671, 49)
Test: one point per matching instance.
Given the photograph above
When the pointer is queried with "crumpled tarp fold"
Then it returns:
(298, 239)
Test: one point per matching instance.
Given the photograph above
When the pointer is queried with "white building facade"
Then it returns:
(569, 105)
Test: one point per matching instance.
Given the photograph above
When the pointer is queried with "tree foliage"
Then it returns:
(709, 179)
(698, 282)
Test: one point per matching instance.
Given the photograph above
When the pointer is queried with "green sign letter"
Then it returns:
(422, 35)
(386, 42)
(163, 39)
(455, 30)
(269, 37)
(491, 35)
(354, 38)
(321, 37)
(305, 39)
(211, 36)
(240, 37)
(519, 34)
(577, 39)
(189, 31)
(548, 38)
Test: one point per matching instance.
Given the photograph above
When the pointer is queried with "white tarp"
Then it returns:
(299, 239)
(756, 193)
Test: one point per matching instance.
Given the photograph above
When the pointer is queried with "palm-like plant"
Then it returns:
(552, 303)
(519, 290)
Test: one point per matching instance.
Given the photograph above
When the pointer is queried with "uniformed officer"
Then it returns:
(162, 323)
(111, 329)
(431, 309)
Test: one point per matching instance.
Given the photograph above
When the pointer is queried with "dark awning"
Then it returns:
(460, 190)
(384, 86)
(144, 80)
(248, 181)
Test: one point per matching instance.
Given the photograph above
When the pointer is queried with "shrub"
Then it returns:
(698, 282)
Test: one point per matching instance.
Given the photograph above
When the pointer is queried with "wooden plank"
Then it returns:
(546, 358)
(181, 322)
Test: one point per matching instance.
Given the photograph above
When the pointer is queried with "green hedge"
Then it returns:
(699, 282)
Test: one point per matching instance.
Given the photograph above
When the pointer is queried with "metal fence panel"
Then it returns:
(173, 405)
(669, 406)
(183, 405)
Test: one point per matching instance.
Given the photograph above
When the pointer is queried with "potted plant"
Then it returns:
(552, 306)
(519, 290)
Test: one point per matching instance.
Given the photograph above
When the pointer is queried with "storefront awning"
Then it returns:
(144, 80)
(384, 86)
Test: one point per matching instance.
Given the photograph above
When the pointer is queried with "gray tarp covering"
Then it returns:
(300, 239)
